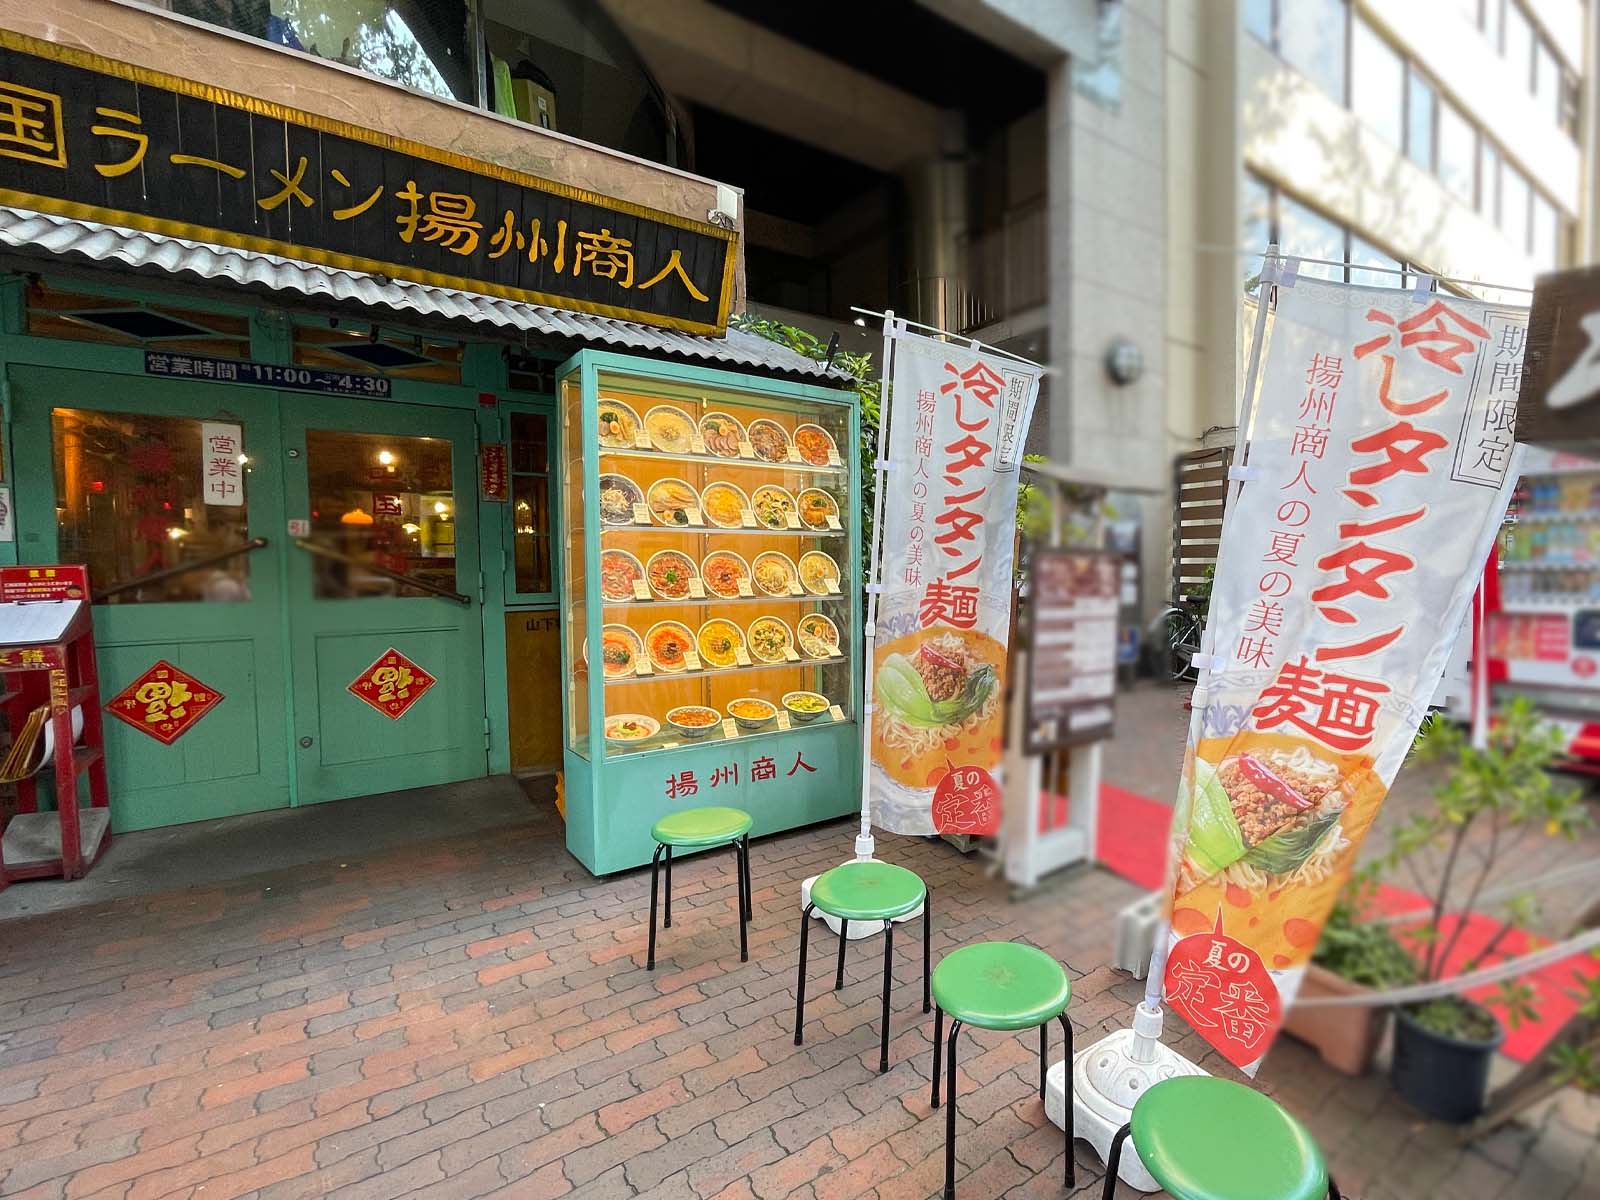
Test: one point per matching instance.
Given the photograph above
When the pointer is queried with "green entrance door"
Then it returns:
(383, 596)
(159, 486)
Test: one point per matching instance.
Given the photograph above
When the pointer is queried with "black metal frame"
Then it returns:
(1114, 1164)
(741, 861)
(1044, 1072)
(888, 971)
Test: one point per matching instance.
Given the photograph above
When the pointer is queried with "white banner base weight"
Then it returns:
(860, 929)
(1107, 1078)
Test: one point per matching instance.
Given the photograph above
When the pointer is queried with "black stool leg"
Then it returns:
(1044, 1057)
(927, 951)
(938, 1050)
(888, 962)
(1113, 1161)
(1333, 1190)
(744, 917)
(800, 983)
(655, 870)
(844, 940)
(950, 1119)
(1066, 1104)
(749, 905)
(667, 923)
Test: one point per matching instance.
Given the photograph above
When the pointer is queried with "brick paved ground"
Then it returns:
(473, 1018)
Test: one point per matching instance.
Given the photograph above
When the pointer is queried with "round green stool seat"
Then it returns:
(868, 891)
(1204, 1138)
(1001, 985)
(701, 827)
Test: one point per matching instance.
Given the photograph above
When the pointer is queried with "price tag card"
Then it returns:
(669, 745)
(641, 514)
(795, 589)
(783, 719)
(744, 588)
(792, 520)
(641, 590)
(747, 518)
(833, 522)
(833, 458)
(794, 454)
(697, 442)
(642, 667)
(741, 656)
(693, 516)
(691, 661)
(697, 589)
(836, 712)
(789, 654)
(641, 439)
(730, 728)
(831, 586)
(746, 450)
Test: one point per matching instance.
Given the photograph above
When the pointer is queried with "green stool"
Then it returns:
(865, 891)
(999, 985)
(1204, 1138)
(702, 829)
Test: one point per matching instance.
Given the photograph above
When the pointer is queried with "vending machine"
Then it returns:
(1542, 598)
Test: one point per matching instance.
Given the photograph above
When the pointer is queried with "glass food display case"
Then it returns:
(711, 631)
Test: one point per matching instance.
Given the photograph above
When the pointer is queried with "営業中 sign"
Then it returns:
(92, 138)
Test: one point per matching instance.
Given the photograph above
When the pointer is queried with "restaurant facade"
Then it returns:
(281, 341)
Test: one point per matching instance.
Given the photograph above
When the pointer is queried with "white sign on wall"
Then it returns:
(221, 464)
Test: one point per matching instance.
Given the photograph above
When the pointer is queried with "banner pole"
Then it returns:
(865, 844)
(1197, 700)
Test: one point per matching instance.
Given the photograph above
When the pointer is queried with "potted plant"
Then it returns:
(1491, 800)
(1353, 955)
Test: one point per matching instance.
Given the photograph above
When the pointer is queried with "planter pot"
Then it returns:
(1444, 1077)
(1346, 1036)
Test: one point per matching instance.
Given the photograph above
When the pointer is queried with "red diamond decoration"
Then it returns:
(392, 684)
(164, 702)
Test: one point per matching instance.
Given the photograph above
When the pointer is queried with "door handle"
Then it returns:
(321, 551)
(211, 560)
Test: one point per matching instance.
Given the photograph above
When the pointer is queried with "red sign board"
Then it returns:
(164, 702)
(392, 684)
(493, 475)
(387, 506)
(44, 583)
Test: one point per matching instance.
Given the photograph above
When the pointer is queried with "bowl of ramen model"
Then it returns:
(694, 721)
(752, 714)
(805, 707)
(629, 729)
(619, 424)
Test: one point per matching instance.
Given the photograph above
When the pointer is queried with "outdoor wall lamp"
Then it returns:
(1124, 362)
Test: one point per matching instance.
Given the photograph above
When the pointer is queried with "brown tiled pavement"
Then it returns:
(473, 1018)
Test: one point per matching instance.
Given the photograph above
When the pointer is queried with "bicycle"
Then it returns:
(1174, 637)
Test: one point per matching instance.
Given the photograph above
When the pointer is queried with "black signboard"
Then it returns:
(86, 137)
(1558, 405)
(239, 370)
(1072, 648)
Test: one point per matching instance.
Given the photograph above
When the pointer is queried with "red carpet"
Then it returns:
(1132, 843)
(1132, 838)
(1552, 985)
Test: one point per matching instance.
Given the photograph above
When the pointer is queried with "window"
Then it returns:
(1492, 22)
(1311, 39)
(530, 503)
(1255, 221)
(1545, 235)
(1421, 102)
(1570, 99)
(1365, 253)
(1489, 181)
(1377, 83)
(1458, 152)
(129, 504)
(1518, 44)
(1309, 234)
(1515, 196)
(1258, 21)
(1547, 81)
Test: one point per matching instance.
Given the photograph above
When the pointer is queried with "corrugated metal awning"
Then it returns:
(35, 233)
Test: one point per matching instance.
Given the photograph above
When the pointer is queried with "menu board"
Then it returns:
(1072, 659)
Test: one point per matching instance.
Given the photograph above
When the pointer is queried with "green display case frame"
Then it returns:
(613, 800)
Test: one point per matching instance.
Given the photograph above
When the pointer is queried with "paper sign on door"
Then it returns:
(221, 464)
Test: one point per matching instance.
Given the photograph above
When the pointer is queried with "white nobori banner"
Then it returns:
(959, 418)
(1379, 465)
